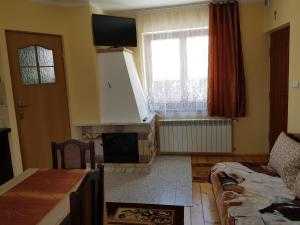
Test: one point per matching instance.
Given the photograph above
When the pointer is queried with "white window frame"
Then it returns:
(182, 35)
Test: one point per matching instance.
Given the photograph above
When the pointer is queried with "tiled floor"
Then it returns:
(168, 183)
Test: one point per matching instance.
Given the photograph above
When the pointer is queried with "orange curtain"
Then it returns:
(226, 80)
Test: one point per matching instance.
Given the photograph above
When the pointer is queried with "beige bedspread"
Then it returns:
(242, 193)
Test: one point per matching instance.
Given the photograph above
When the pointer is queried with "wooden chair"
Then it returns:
(72, 154)
(87, 203)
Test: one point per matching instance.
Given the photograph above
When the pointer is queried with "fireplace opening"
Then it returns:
(120, 147)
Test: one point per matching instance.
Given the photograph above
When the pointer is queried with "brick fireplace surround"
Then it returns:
(147, 145)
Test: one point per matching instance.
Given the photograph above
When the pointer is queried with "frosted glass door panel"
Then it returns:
(27, 56)
(45, 56)
(29, 75)
(36, 65)
(47, 75)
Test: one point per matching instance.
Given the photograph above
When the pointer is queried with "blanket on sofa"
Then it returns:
(253, 195)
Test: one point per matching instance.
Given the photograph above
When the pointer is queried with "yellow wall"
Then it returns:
(250, 133)
(288, 13)
(82, 70)
(74, 24)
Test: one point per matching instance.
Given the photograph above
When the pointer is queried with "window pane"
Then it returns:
(27, 56)
(45, 56)
(197, 90)
(177, 70)
(47, 75)
(197, 57)
(29, 75)
(165, 59)
(167, 91)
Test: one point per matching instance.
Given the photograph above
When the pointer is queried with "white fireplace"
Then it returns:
(121, 95)
(124, 110)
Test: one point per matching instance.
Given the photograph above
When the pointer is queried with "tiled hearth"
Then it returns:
(146, 139)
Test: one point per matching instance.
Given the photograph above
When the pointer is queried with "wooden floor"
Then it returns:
(201, 164)
(216, 159)
(204, 210)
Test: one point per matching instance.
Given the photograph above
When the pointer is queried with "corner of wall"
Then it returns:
(287, 13)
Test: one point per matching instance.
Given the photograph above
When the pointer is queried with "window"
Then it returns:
(36, 65)
(176, 67)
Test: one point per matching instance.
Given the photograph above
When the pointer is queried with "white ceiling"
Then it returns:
(117, 5)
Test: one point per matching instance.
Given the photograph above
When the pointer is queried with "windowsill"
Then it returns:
(185, 117)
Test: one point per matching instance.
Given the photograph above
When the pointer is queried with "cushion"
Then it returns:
(297, 186)
(285, 159)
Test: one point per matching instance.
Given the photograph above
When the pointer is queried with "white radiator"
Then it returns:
(195, 136)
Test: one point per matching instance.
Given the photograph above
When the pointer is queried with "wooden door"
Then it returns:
(39, 88)
(279, 83)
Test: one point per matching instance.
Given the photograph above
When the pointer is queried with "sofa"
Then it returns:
(260, 194)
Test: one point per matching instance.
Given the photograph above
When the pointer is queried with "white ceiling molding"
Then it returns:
(126, 5)
(97, 7)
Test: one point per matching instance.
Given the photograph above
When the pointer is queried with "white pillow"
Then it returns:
(285, 159)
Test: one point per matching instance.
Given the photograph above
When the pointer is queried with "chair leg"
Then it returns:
(105, 220)
(54, 155)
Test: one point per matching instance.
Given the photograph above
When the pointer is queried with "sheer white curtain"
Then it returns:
(174, 52)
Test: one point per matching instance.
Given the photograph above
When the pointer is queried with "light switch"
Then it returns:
(295, 84)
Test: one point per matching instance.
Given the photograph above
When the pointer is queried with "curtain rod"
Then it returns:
(222, 1)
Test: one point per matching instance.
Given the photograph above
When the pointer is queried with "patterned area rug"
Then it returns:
(142, 214)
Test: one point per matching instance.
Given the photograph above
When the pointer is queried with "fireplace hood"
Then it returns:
(122, 99)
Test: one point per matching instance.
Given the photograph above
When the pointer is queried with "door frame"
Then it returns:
(13, 88)
(286, 26)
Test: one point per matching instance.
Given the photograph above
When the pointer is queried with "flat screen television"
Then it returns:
(114, 31)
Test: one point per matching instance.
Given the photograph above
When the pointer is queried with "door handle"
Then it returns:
(21, 109)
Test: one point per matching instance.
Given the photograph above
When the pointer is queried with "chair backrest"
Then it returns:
(72, 154)
(87, 203)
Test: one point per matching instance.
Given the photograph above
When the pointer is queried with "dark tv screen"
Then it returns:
(114, 31)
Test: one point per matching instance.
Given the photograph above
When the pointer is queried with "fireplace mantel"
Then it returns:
(147, 122)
